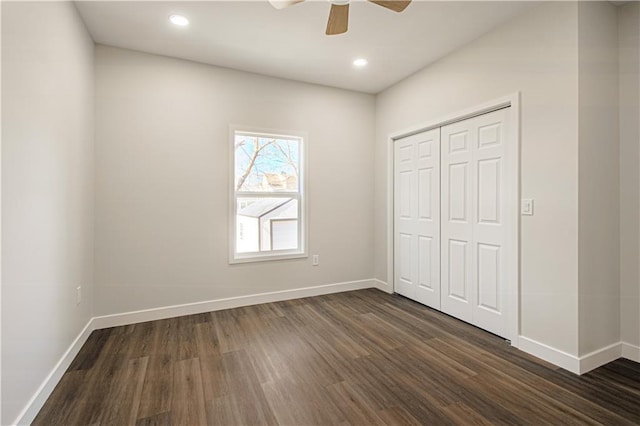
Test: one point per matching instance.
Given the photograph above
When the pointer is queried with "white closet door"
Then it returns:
(473, 221)
(457, 225)
(417, 217)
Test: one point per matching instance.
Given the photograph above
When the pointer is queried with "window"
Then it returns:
(268, 210)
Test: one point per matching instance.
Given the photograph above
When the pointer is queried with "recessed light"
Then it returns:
(360, 62)
(179, 20)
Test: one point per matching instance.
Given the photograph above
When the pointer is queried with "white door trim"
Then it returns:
(513, 205)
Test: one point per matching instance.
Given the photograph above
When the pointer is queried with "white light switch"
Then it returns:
(527, 207)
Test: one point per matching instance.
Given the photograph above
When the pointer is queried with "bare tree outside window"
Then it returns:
(259, 158)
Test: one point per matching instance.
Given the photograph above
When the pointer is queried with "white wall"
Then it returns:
(47, 198)
(162, 180)
(599, 200)
(536, 54)
(629, 57)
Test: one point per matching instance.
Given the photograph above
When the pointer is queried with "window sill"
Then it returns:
(251, 258)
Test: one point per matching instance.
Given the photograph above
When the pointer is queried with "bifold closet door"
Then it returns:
(473, 230)
(417, 217)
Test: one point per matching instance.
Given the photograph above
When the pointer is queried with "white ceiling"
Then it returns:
(290, 43)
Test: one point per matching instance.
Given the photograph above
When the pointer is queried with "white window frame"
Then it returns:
(300, 195)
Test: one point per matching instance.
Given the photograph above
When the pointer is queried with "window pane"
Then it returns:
(265, 224)
(264, 164)
(284, 234)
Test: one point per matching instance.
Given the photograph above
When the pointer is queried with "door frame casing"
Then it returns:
(512, 102)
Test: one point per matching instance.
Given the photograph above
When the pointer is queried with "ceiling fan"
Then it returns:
(339, 15)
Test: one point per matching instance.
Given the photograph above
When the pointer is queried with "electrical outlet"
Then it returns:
(315, 260)
(78, 295)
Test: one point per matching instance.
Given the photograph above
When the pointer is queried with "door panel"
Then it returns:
(425, 200)
(489, 287)
(489, 191)
(417, 217)
(458, 192)
(490, 231)
(405, 269)
(456, 226)
(424, 266)
(404, 226)
(458, 141)
(473, 230)
(458, 284)
(406, 194)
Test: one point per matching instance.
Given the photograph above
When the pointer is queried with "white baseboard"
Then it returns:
(600, 357)
(583, 364)
(44, 391)
(554, 356)
(381, 285)
(631, 352)
(228, 303)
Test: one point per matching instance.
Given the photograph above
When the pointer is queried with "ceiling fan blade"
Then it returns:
(395, 5)
(281, 4)
(338, 19)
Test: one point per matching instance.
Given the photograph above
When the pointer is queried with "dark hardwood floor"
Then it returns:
(362, 357)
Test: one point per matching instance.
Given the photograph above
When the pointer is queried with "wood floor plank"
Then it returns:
(207, 342)
(362, 357)
(91, 350)
(220, 411)
(301, 404)
(187, 341)
(248, 402)
(144, 337)
(270, 362)
(157, 388)
(314, 319)
(231, 335)
(461, 414)
(187, 403)
(209, 353)
(376, 381)
(161, 419)
(398, 416)
(214, 384)
(356, 409)
(123, 398)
